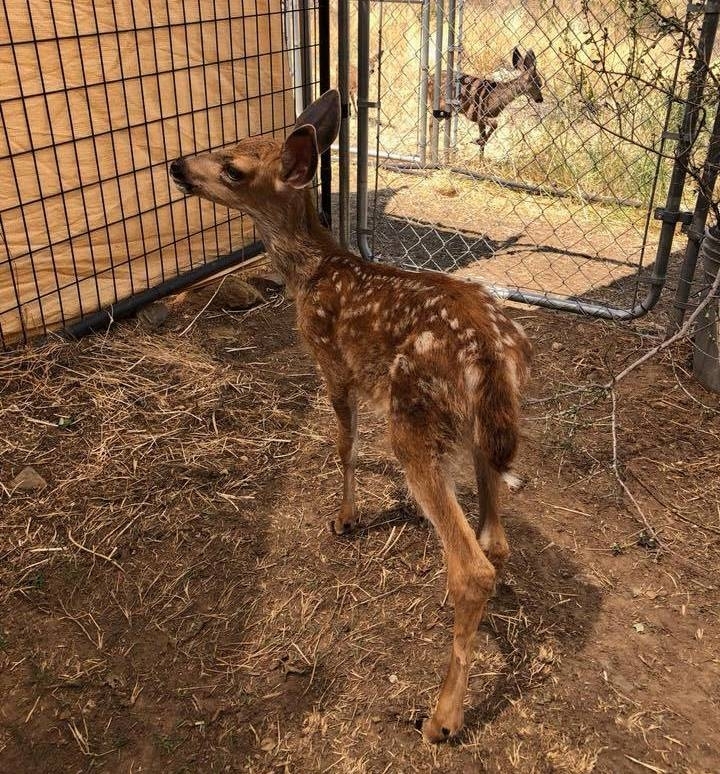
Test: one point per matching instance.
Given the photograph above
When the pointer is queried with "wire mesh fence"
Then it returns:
(542, 145)
(95, 99)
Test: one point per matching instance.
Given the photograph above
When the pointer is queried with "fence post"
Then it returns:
(306, 59)
(458, 70)
(324, 78)
(706, 358)
(449, 77)
(702, 206)
(424, 72)
(362, 127)
(343, 65)
(437, 90)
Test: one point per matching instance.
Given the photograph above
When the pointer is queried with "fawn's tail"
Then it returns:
(496, 422)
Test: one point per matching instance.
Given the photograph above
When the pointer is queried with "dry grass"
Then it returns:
(173, 600)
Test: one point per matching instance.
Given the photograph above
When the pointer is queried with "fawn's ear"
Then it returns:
(299, 156)
(516, 58)
(529, 60)
(324, 116)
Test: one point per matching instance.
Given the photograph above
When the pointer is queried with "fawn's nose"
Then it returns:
(178, 169)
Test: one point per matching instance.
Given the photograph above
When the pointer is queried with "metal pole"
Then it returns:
(362, 127)
(423, 92)
(696, 230)
(435, 131)
(694, 99)
(706, 358)
(458, 68)
(292, 25)
(449, 78)
(324, 64)
(306, 63)
(343, 33)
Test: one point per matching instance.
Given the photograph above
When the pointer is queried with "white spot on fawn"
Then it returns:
(472, 377)
(512, 373)
(454, 324)
(424, 342)
(320, 312)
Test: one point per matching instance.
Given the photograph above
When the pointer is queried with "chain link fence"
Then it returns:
(591, 115)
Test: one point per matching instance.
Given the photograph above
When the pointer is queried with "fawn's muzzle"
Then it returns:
(178, 172)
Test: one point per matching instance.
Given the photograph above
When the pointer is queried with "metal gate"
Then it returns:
(573, 203)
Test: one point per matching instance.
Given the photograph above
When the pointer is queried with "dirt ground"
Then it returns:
(173, 601)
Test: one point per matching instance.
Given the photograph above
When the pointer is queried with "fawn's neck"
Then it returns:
(512, 90)
(295, 240)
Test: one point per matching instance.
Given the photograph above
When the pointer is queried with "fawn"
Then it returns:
(435, 353)
(482, 100)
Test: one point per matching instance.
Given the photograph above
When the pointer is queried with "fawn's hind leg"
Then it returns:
(490, 531)
(344, 402)
(471, 577)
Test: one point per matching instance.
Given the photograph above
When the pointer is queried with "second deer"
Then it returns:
(435, 354)
(482, 100)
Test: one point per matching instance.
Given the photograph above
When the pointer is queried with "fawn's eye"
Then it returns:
(234, 174)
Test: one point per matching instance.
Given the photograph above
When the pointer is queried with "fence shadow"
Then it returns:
(402, 240)
(398, 240)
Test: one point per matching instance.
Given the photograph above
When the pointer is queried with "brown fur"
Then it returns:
(434, 353)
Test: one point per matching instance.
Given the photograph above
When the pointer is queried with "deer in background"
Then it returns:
(434, 353)
(481, 100)
(353, 78)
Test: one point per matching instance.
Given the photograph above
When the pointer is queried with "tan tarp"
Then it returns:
(95, 98)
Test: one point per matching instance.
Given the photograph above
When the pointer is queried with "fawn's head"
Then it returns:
(261, 176)
(529, 76)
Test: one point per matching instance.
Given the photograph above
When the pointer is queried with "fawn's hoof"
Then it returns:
(437, 730)
(343, 525)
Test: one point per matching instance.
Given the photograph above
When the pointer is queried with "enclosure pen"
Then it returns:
(94, 100)
(214, 550)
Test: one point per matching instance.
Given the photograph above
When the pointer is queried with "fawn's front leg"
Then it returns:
(344, 402)
(486, 127)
